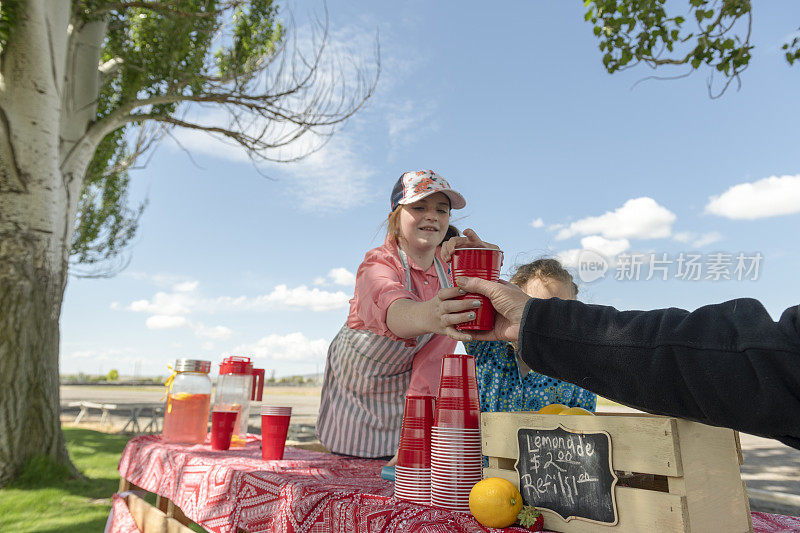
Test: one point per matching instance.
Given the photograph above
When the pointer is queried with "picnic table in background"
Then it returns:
(134, 411)
(307, 491)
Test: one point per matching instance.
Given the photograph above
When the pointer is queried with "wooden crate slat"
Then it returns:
(646, 444)
(717, 499)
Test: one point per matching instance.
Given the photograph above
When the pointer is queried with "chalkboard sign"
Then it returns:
(568, 472)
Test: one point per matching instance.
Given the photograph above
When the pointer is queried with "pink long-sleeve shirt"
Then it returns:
(380, 281)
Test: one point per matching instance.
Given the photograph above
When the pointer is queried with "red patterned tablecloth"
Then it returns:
(306, 492)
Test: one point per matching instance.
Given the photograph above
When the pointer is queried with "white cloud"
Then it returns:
(569, 258)
(302, 296)
(342, 276)
(165, 322)
(319, 281)
(767, 197)
(538, 223)
(291, 347)
(698, 241)
(638, 218)
(335, 178)
(114, 306)
(165, 304)
(605, 247)
(707, 238)
(684, 236)
(186, 286)
(409, 121)
(212, 332)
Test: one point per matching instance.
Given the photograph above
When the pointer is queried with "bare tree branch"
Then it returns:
(300, 94)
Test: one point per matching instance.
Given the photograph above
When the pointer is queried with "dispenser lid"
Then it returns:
(192, 365)
(236, 364)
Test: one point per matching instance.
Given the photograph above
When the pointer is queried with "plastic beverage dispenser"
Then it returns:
(239, 384)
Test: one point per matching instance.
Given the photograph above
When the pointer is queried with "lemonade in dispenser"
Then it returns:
(238, 384)
(188, 401)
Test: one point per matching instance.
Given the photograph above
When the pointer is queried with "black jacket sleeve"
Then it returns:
(724, 365)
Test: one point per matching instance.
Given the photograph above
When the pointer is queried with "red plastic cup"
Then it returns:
(483, 263)
(274, 428)
(414, 450)
(457, 404)
(222, 424)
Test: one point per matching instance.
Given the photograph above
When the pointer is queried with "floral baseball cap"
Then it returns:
(413, 186)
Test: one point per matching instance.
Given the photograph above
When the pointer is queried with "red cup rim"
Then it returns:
(476, 248)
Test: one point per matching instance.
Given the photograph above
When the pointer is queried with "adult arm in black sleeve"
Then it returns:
(725, 365)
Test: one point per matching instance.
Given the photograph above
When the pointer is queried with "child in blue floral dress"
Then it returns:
(505, 383)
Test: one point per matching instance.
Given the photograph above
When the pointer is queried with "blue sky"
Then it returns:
(514, 108)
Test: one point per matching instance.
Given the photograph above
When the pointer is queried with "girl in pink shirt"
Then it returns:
(396, 331)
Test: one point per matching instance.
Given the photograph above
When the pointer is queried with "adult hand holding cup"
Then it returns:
(470, 256)
(508, 300)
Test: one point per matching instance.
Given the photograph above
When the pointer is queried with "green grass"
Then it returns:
(45, 499)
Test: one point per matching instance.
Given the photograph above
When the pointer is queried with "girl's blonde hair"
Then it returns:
(544, 269)
(393, 227)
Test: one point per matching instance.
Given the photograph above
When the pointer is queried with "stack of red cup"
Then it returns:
(456, 460)
(483, 263)
(412, 480)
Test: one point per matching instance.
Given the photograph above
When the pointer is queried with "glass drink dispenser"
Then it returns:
(188, 399)
(239, 384)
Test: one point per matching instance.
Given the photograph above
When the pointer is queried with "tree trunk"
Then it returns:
(31, 289)
(36, 203)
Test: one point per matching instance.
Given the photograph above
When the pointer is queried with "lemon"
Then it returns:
(495, 502)
(576, 411)
(552, 409)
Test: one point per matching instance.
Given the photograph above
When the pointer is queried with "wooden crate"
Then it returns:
(689, 477)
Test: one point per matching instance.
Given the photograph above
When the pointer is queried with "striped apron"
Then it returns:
(366, 379)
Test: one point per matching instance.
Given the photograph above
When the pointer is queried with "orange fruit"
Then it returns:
(552, 409)
(495, 502)
(576, 411)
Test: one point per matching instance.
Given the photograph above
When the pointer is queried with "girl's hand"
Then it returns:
(469, 240)
(446, 313)
(393, 460)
